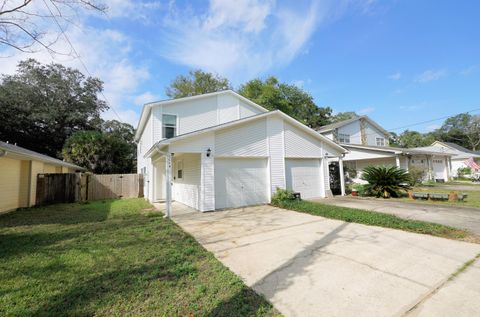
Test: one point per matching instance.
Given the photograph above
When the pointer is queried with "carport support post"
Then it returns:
(168, 184)
(342, 176)
(397, 161)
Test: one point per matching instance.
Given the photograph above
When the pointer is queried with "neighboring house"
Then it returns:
(367, 144)
(19, 168)
(462, 155)
(221, 150)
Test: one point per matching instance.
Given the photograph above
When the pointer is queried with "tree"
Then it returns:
(197, 82)
(342, 116)
(109, 151)
(25, 26)
(42, 105)
(292, 100)
(409, 139)
(462, 129)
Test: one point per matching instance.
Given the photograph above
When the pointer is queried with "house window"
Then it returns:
(380, 141)
(343, 138)
(180, 170)
(169, 126)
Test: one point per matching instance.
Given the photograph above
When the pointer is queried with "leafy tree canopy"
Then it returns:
(462, 129)
(342, 116)
(42, 105)
(109, 151)
(197, 82)
(292, 100)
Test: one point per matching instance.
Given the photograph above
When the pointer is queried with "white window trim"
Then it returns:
(179, 168)
(344, 136)
(177, 121)
(382, 141)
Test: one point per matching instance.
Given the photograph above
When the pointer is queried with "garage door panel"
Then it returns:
(303, 176)
(240, 182)
(438, 168)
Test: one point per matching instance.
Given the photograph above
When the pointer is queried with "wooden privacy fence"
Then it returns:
(57, 188)
(114, 186)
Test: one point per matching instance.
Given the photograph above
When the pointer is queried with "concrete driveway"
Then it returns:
(467, 218)
(311, 266)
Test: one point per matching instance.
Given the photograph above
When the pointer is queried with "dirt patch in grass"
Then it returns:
(113, 258)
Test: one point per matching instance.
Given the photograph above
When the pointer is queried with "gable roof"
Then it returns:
(330, 127)
(286, 117)
(148, 106)
(462, 152)
(8, 149)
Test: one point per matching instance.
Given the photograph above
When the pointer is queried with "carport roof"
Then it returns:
(164, 142)
(429, 150)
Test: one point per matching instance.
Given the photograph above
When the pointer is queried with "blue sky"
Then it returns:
(400, 62)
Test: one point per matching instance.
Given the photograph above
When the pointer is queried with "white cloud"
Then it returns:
(432, 127)
(142, 99)
(365, 110)
(245, 38)
(126, 115)
(469, 70)
(430, 75)
(106, 56)
(395, 76)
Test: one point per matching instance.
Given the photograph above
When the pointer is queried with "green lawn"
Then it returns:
(374, 219)
(113, 258)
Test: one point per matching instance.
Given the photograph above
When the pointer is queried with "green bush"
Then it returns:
(385, 181)
(360, 188)
(282, 195)
(462, 171)
(417, 175)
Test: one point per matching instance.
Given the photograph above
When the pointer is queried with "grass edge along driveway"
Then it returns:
(117, 257)
(373, 218)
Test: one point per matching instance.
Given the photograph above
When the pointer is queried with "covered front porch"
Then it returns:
(437, 166)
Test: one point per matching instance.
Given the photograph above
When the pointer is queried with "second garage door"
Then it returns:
(303, 176)
(240, 182)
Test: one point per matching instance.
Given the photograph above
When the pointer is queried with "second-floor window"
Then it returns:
(380, 141)
(169, 125)
(343, 138)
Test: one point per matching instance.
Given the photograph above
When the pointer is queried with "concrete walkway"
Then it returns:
(458, 217)
(311, 266)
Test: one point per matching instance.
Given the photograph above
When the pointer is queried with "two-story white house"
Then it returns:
(367, 144)
(221, 150)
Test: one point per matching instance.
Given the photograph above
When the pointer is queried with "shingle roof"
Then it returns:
(20, 151)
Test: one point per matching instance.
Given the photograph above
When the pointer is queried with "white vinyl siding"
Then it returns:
(352, 130)
(228, 108)
(304, 176)
(247, 110)
(187, 189)
(276, 146)
(247, 140)
(301, 144)
(240, 182)
(373, 134)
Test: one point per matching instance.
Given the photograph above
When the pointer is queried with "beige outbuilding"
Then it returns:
(19, 168)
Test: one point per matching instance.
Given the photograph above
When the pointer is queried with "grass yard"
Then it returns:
(473, 199)
(374, 219)
(113, 258)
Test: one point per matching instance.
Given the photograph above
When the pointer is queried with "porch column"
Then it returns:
(406, 163)
(446, 170)
(397, 160)
(342, 176)
(207, 181)
(430, 167)
(168, 184)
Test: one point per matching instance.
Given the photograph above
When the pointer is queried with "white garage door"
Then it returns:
(240, 182)
(303, 176)
(438, 168)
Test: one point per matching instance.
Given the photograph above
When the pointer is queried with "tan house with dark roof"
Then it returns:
(19, 168)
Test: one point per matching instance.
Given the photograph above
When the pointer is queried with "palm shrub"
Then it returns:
(385, 181)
